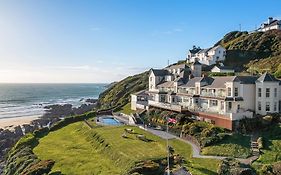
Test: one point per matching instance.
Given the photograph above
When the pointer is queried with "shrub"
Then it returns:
(41, 132)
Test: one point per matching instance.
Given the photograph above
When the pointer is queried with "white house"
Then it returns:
(222, 69)
(271, 24)
(267, 95)
(219, 100)
(207, 56)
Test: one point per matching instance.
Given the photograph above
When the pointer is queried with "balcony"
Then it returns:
(210, 94)
(173, 107)
(232, 115)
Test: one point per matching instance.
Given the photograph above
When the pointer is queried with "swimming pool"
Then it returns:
(109, 120)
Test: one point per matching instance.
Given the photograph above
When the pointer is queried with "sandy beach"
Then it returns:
(12, 122)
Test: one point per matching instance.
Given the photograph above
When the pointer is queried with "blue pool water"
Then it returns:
(110, 121)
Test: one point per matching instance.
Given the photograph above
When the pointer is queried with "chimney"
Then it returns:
(270, 19)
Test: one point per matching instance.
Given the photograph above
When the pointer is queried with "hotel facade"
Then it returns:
(219, 100)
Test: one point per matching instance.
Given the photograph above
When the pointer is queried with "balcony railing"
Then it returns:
(174, 106)
(208, 94)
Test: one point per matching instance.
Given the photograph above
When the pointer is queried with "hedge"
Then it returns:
(72, 119)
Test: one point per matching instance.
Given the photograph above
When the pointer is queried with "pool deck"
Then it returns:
(120, 120)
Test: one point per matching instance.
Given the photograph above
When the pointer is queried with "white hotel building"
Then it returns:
(219, 100)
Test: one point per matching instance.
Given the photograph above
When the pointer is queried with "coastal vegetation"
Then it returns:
(257, 52)
(119, 94)
(270, 160)
(126, 109)
(21, 159)
(102, 150)
(234, 145)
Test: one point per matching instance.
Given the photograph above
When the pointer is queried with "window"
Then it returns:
(259, 106)
(214, 102)
(267, 92)
(267, 106)
(229, 105)
(222, 105)
(275, 106)
(162, 98)
(236, 92)
(196, 101)
(229, 91)
(275, 92)
(150, 78)
(238, 107)
(259, 92)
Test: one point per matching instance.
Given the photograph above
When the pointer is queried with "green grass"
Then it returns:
(196, 166)
(126, 109)
(272, 153)
(77, 149)
(235, 145)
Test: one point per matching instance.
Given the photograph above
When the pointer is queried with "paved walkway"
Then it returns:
(195, 148)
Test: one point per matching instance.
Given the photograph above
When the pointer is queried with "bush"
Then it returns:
(231, 166)
(41, 132)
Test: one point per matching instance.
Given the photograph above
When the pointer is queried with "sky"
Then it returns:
(101, 41)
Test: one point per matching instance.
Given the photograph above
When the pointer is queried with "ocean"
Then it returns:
(24, 100)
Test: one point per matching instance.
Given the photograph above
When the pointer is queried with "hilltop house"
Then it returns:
(270, 25)
(222, 69)
(219, 100)
(207, 56)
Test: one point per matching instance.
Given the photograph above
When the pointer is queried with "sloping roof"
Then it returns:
(224, 67)
(191, 82)
(247, 79)
(266, 77)
(142, 93)
(194, 51)
(197, 63)
(160, 72)
(204, 50)
(219, 82)
(178, 66)
(166, 84)
(273, 23)
(214, 48)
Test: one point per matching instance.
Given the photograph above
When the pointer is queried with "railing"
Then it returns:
(206, 110)
(208, 94)
(175, 107)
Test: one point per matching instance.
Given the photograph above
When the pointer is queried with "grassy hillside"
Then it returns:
(119, 94)
(259, 51)
(77, 149)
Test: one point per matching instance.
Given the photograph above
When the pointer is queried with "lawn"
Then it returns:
(126, 109)
(77, 149)
(235, 145)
